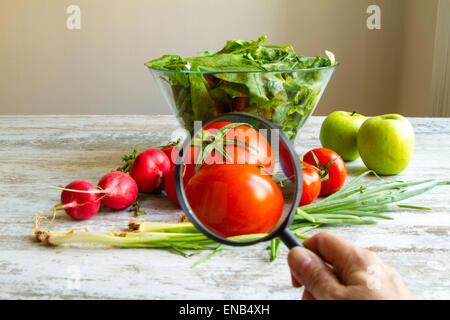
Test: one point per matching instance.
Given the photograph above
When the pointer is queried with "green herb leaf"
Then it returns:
(136, 209)
(128, 161)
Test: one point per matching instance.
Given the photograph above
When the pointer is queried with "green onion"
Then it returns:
(355, 201)
(177, 227)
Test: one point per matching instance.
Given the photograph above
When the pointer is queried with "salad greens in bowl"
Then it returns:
(271, 81)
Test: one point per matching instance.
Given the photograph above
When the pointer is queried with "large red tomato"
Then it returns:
(258, 152)
(235, 199)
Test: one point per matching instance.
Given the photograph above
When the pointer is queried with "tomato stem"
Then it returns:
(323, 169)
(217, 142)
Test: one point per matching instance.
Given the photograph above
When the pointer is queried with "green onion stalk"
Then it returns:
(356, 203)
(178, 237)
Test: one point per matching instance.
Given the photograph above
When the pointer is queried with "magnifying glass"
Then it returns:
(238, 180)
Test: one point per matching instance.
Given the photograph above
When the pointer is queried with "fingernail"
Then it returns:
(298, 278)
(299, 258)
(295, 282)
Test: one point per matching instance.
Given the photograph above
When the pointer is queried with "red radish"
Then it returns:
(149, 169)
(119, 190)
(80, 205)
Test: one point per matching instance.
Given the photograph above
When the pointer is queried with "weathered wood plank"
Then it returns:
(58, 149)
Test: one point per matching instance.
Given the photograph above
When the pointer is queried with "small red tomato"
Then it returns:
(171, 150)
(169, 186)
(332, 169)
(239, 104)
(211, 81)
(311, 184)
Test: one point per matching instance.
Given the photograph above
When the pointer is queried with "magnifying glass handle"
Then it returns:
(289, 239)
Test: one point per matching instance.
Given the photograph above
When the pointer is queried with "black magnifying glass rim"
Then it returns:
(184, 203)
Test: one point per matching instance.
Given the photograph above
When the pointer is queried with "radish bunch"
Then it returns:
(116, 190)
(81, 199)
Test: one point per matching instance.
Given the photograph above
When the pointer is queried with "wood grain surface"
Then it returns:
(54, 150)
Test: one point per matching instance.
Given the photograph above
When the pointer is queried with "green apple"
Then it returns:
(339, 132)
(386, 143)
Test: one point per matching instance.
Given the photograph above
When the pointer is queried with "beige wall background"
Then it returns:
(47, 69)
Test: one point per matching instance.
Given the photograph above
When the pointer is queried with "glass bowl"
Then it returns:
(285, 97)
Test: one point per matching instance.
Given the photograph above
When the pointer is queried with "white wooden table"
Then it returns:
(56, 150)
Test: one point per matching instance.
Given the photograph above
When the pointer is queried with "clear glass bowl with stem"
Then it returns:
(285, 97)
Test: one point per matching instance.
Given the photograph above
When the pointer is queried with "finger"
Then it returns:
(311, 271)
(328, 246)
(307, 295)
(341, 254)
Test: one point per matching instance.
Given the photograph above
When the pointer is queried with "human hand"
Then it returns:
(333, 268)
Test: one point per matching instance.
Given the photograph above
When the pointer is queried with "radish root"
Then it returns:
(70, 205)
(99, 190)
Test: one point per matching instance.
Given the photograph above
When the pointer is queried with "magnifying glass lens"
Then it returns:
(237, 181)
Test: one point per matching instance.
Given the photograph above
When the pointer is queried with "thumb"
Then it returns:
(311, 271)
